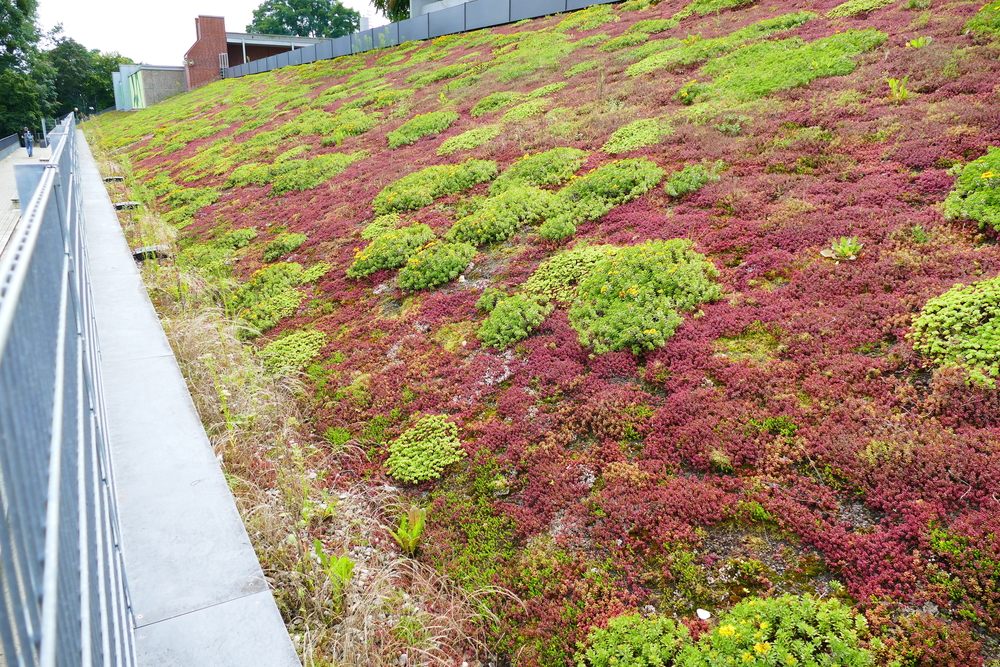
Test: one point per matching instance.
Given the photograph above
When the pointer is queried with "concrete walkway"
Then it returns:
(9, 213)
(198, 595)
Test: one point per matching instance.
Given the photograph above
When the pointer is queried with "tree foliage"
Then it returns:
(394, 10)
(305, 18)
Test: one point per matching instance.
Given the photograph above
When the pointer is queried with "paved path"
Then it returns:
(9, 214)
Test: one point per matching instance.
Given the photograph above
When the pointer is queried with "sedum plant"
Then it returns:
(423, 451)
(550, 167)
(977, 192)
(390, 250)
(691, 178)
(590, 196)
(633, 298)
(421, 126)
(559, 277)
(500, 216)
(422, 187)
(434, 264)
(511, 320)
(634, 641)
(282, 245)
(962, 328)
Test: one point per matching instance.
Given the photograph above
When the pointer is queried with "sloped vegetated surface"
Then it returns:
(644, 309)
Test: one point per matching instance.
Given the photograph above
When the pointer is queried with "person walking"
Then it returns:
(29, 140)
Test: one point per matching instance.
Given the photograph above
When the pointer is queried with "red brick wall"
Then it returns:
(201, 62)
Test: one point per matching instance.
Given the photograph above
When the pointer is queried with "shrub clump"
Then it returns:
(633, 298)
(691, 178)
(422, 452)
(501, 215)
(590, 196)
(389, 250)
(420, 126)
(293, 351)
(434, 264)
(282, 245)
(422, 187)
(977, 192)
(550, 167)
(511, 320)
(962, 327)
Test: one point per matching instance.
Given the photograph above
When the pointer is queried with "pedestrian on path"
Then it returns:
(29, 140)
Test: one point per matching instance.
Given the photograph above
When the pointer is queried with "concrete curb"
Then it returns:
(196, 590)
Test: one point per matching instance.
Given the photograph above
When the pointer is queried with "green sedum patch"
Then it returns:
(422, 187)
(271, 294)
(501, 215)
(550, 167)
(495, 102)
(962, 327)
(585, 66)
(282, 245)
(855, 7)
(511, 320)
(559, 277)
(420, 126)
(629, 39)
(633, 299)
(382, 224)
(637, 134)
(389, 250)
(986, 20)
(977, 192)
(422, 452)
(590, 196)
(468, 140)
(435, 264)
(781, 631)
(185, 203)
(293, 351)
(527, 110)
(690, 179)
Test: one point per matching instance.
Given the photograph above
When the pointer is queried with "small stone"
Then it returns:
(704, 614)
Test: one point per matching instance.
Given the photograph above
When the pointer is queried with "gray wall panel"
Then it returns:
(447, 21)
(485, 13)
(529, 9)
(282, 59)
(572, 5)
(387, 35)
(308, 54)
(412, 30)
(341, 47)
(324, 50)
(362, 41)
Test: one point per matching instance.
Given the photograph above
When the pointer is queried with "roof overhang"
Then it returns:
(271, 40)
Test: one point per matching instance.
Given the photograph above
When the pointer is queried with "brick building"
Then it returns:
(216, 49)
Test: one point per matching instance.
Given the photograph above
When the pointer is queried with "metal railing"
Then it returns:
(8, 145)
(465, 17)
(63, 600)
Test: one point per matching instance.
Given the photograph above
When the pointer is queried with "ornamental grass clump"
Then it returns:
(423, 451)
(962, 328)
(633, 299)
(389, 250)
(422, 187)
(435, 264)
(977, 192)
(502, 215)
(590, 196)
(421, 126)
(511, 320)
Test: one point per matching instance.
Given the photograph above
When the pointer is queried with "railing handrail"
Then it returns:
(61, 569)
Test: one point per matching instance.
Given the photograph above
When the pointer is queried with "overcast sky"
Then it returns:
(155, 33)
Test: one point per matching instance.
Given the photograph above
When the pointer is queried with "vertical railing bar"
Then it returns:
(50, 590)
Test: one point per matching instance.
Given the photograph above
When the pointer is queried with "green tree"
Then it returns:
(305, 18)
(81, 77)
(394, 10)
(22, 98)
